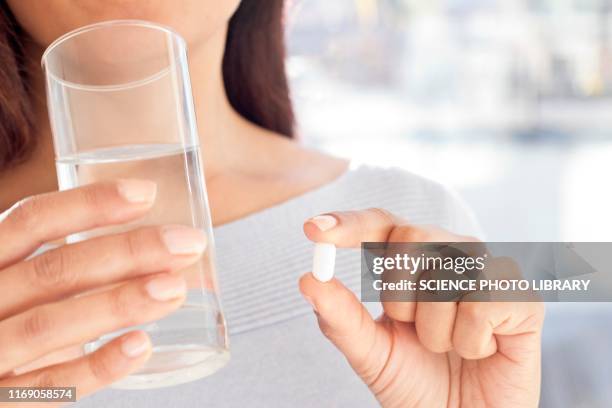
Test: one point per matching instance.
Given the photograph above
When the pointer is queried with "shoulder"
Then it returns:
(417, 199)
(292, 162)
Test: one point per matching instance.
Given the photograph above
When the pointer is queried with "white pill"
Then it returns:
(323, 262)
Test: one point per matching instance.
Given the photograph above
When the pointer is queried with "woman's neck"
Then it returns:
(222, 130)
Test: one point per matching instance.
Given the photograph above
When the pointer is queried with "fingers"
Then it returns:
(400, 311)
(38, 331)
(349, 326)
(94, 371)
(434, 323)
(349, 229)
(74, 268)
(483, 328)
(476, 330)
(38, 219)
(473, 336)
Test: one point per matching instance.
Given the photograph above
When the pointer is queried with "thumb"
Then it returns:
(348, 325)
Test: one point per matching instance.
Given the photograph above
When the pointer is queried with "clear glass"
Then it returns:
(120, 105)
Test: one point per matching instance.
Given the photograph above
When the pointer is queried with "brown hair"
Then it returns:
(254, 66)
(253, 73)
(16, 138)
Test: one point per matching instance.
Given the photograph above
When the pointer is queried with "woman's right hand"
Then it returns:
(124, 279)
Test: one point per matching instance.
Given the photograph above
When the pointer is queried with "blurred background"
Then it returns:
(507, 101)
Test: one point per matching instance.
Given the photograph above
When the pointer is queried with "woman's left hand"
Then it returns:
(427, 354)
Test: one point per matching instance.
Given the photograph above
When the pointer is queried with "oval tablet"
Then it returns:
(323, 262)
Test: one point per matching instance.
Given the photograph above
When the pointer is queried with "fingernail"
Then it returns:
(184, 240)
(166, 287)
(137, 191)
(309, 300)
(135, 344)
(324, 222)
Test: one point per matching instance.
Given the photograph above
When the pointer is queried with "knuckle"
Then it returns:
(144, 248)
(95, 199)
(441, 347)
(26, 213)
(122, 306)
(53, 269)
(101, 367)
(468, 351)
(406, 233)
(36, 325)
(400, 311)
(91, 196)
(431, 339)
(538, 312)
(134, 244)
(382, 213)
(471, 348)
(46, 379)
(473, 312)
(508, 263)
(435, 344)
(505, 267)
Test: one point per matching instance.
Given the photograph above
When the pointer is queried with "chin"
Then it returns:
(195, 20)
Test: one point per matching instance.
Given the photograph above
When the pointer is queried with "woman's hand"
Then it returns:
(426, 354)
(124, 280)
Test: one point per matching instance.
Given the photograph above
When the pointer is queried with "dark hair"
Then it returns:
(16, 136)
(254, 66)
(253, 73)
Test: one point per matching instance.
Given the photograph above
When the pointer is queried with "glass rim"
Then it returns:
(102, 24)
(94, 26)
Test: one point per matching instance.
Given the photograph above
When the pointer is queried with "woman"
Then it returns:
(262, 186)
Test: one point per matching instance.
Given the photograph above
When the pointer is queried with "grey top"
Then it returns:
(279, 357)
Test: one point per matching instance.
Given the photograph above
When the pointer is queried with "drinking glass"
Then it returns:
(120, 105)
